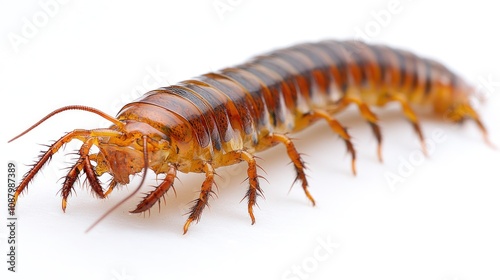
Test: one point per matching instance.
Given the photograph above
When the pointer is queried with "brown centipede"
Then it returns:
(225, 117)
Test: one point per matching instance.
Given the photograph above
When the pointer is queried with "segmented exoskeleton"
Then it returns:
(225, 117)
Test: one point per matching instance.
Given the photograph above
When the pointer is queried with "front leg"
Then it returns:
(152, 197)
(202, 201)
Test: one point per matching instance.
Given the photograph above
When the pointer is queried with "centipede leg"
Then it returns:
(202, 201)
(84, 164)
(111, 187)
(370, 117)
(297, 162)
(412, 117)
(152, 197)
(46, 156)
(464, 111)
(112, 183)
(92, 178)
(69, 181)
(254, 189)
(341, 131)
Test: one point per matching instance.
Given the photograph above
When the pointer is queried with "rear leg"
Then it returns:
(461, 112)
(412, 117)
(296, 160)
(369, 116)
(338, 128)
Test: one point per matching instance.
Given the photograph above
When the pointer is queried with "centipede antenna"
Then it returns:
(71, 107)
(145, 147)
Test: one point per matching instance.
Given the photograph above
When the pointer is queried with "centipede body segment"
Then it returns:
(225, 117)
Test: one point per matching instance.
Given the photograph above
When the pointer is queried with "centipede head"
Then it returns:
(121, 156)
(124, 149)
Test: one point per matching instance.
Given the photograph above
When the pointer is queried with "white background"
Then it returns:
(442, 222)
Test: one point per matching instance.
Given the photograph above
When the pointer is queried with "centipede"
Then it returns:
(225, 117)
